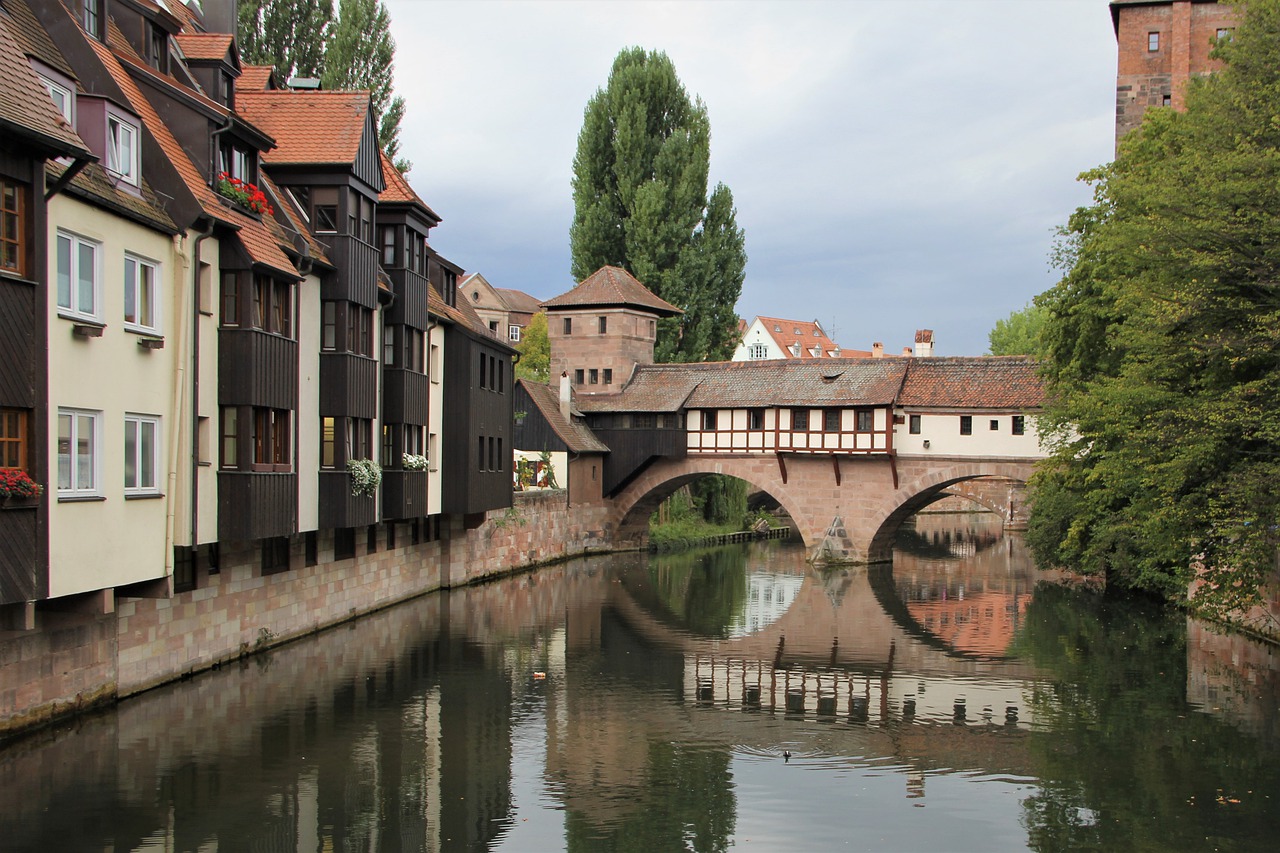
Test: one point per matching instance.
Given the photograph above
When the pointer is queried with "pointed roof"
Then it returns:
(256, 78)
(805, 335)
(577, 437)
(206, 46)
(398, 189)
(518, 301)
(613, 287)
(309, 126)
(26, 110)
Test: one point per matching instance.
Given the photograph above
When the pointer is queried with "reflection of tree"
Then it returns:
(702, 590)
(687, 804)
(1125, 763)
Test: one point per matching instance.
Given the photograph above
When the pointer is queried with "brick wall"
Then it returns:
(72, 661)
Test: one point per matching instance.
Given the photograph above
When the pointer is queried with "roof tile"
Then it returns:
(612, 286)
(308, 126)
(974, 382)
(578, 438)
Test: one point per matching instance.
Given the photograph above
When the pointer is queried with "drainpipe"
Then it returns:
(201, 236)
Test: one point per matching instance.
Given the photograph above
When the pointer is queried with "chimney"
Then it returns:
(924, 342)
(566, 396)
(906, 351)
(877, 350)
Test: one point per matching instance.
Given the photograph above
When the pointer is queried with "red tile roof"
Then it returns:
(805, 334)
(254, 78)
(261, 246)
(398, 188)
(577, 437)
(974, 382)
(310, 126)
(211, 46)
(518, 301)
(610, 287)
(26, 109)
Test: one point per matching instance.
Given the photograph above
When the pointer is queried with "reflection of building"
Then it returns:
(769, 594)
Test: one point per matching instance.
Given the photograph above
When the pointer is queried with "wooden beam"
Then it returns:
(835, 463)
(782, 468)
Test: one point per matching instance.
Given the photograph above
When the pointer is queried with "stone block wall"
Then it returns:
(71, 661)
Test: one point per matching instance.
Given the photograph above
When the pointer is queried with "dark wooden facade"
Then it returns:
(340, 508)
(473, 478)
(404, 494)
(632, 450)
(256, 504)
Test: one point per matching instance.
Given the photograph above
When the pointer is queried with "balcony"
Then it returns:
(256, 505)
(406, 396)
(404, 494)
(21, 568)
(340, 508)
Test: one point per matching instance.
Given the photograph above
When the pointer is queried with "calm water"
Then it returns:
(960, 701)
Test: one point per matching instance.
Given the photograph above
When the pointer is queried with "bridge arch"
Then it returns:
(642, 496)
(926, 484)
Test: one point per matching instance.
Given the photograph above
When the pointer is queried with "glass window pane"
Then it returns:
(130, 290)
(85, 271)
(84, 452)
(64, 451)
(64, 271)
(146, 462)
(130, 454)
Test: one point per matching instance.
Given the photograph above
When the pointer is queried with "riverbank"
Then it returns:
(81, 654)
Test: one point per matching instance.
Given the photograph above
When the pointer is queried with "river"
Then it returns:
(729, 697)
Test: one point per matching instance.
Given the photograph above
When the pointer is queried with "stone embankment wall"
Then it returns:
(74, 660)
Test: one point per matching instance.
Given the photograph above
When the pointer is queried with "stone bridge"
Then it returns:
(846, 509)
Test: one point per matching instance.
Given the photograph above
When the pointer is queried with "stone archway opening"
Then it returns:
(634, 525)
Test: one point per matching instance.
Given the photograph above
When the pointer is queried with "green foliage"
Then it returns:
(535, 350)
(640, 203)
(723, 499)
(288, 34)
(1019, 333)
(1162, 342)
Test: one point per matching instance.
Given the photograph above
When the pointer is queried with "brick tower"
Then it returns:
(1162, 44)
(602, 329)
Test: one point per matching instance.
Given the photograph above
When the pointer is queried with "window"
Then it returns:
(568, 325)
(1224, 33)
(79, 443)
(864, 420)
(603, 323)
(1019, 425)
(502, 375)
(389, 346)
(91, 17)
(236, 162)
(966, 424)
(63, 98)
(513, 333)
(432, 464)
(800, 419)
(643, 421)
(14, 451)
(77, 276)
(995, 425)
(1166, 101)
(653, 328)
(141, 454)
(13, 227)
(329, 326)
(359, 438)
(608, 375)
(359, 329)
(141, 302)
(230, 441)
(913, 424)
(710, 420)
(122, 149)
(272, 306)
(830, 420)
(578, 376)
(755, 419)
(328, 443)
(484, 370)
(1153, 42)
(388, 246)
(325, 211)
(434, 365)
(271, 438)
(184, 569)
(593, 376)
(493, 327)
(759, 350)
(230, 299)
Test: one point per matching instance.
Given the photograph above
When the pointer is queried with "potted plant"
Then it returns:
(413, 462)
(243, 193)
(366, 476)
(17, 484)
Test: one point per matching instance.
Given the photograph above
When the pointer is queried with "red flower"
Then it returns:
(14, 482)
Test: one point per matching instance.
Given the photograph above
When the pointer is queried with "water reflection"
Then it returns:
(953, 702)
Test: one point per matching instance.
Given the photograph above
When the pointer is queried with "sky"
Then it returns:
(896, 164)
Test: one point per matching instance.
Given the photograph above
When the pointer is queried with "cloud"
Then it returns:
(895, 165)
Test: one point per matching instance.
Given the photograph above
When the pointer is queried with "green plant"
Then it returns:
(413, 462)
(550, 469)
(366, 476)
(16, 483)
(244, 194)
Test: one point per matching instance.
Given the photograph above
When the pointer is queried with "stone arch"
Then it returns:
(641, 497)
(922, 485)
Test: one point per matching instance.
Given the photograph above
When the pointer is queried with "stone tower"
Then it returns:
(1161, 44)
(602, 329)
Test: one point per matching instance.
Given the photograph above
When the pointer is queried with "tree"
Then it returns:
(360, 54)
(640, 203)
(535, 350)
(1162, 343)
(287, 34)
(1019, 333)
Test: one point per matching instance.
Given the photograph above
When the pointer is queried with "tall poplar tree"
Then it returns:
(287, 34)
(361, 54)
(1163, 346)
(640, 203)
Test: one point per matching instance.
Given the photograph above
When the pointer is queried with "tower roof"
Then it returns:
(612, 287)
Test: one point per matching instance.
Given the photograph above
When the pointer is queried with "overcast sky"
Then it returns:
(896, 164)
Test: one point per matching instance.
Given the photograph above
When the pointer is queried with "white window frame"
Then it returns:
(133, 265)
(72, 474)
(56, 90)
(759, 351)
(120, 129)
(72, 305)
(513, 332)
(134, 426)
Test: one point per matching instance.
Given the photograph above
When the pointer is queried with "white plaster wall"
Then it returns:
(307, 458)
(435, 417)
(208, 407)
(942, 431)
(108, 542)
(756, 334)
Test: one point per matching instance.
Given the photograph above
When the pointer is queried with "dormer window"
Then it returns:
(64, 100)
(236, 162)
(158, 48)
(122, 149)
(91, 18)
